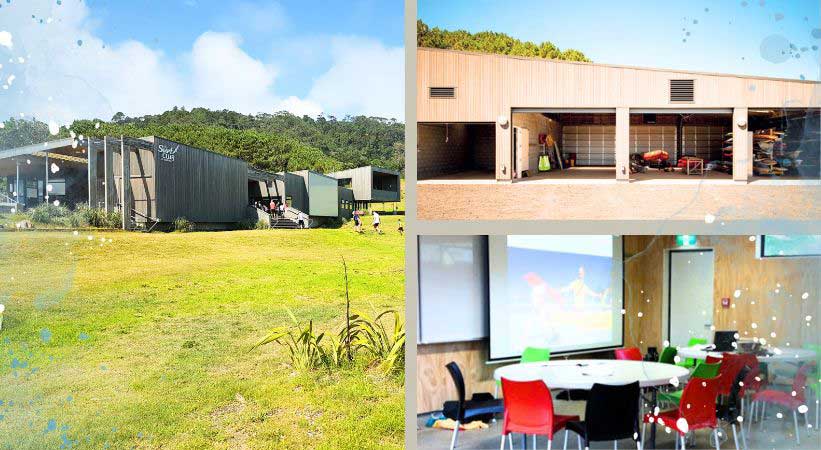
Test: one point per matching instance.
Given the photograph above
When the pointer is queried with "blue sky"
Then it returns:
(724, 36)
(73, 59)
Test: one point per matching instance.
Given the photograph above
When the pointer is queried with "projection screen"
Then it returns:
(559, 292)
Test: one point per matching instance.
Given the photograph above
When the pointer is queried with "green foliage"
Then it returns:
(307, 351)
(386, 345)
(491, 42)
(274, 142)
(84, 216)
(304, 346)
(261, 225)
(20, 132)
(183, 225)
(47, 213)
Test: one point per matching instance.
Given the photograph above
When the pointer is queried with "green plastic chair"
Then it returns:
(814, 380)
(529, 355)
(535, 354)
(668, 355)
(703, 370)
(691, 362)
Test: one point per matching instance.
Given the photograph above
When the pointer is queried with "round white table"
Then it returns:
(777, 354)
(583, 373)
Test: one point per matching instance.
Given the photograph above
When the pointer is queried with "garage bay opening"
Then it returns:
(564, 144)
(456, 151)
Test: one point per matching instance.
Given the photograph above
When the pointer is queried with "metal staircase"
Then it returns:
(146, 225)
(289, 221)
(7, 204)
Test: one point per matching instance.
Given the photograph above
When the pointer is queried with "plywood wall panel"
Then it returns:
(488, 85)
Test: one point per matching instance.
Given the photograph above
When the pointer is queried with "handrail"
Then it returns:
(291, 214)
(154, 220)
(9, 199)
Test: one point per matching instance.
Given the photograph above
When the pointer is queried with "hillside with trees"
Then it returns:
(274, 142)
(491, 42)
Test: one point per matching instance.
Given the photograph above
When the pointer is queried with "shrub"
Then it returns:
(261, 225)
(183, 225)
(48, 213)
(84, 216)
(369, 337)
(387, 347)
(305, 349)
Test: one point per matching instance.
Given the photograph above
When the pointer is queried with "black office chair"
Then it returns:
(462, 409)
(731, 411)
(611, 413)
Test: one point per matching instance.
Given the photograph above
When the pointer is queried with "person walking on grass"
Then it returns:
(376, 223)
(400, 228)
(357, 222)
(301, 219)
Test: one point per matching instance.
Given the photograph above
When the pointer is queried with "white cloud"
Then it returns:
(223, 75)
(6, 40)
(366, 78)
(70, 73)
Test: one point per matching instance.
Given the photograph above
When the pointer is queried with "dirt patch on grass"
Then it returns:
(229, 419)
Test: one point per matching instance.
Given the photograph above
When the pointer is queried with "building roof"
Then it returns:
(339, 173)
(615, 66)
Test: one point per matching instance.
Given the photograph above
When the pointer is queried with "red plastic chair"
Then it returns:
(712, 359)
(697, 408)
(791, 400)
(628, 353)
(731, 365)
(529, 410)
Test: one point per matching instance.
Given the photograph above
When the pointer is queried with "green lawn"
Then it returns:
(144, 341)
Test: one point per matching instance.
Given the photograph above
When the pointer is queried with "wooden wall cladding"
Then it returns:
(489, 85)
(771, 287)
(433, 383)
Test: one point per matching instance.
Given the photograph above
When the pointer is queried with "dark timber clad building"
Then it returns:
(167, 180)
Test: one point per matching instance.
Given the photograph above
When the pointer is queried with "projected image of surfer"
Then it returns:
(559, 293)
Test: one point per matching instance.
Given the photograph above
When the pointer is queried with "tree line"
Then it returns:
(274, 142)
(491, 42)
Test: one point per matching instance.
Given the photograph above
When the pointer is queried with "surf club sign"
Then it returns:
(167, 152)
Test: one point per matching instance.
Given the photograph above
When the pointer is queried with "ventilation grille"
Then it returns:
(682, 91)
(442, 92)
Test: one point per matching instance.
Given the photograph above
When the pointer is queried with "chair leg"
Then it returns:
(753, 406)
(795, 421)
(453, 439)
(510, 442)
(743, 435)
(763, 415)
(502, 447)
(715, 435)
(615, 445)
(683, 444)
(644, 427)
(549, 444)
(579, 440)
(565, 439)
(735, 437)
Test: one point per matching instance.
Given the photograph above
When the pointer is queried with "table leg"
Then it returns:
(653, 403)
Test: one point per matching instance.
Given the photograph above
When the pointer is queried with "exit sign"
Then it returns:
(685, 240)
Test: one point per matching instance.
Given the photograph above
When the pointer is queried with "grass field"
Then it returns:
(142, 340)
